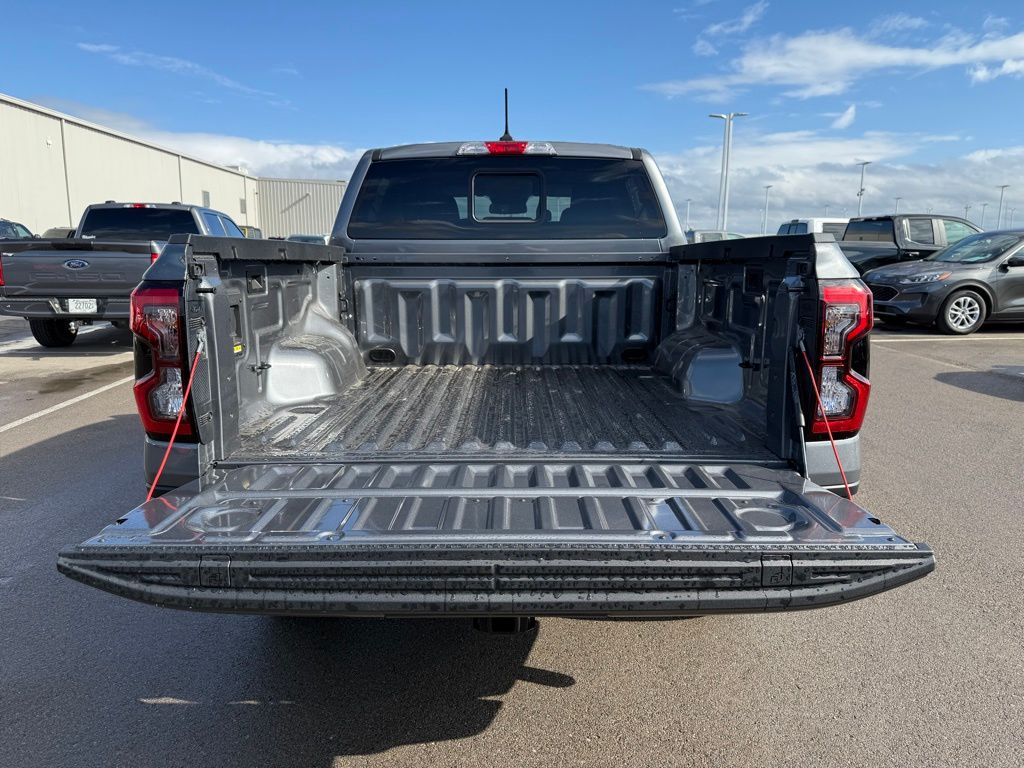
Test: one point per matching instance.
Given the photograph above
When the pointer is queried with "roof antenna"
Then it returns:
(506, 136)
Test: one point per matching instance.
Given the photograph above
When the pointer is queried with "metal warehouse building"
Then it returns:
(53, 165)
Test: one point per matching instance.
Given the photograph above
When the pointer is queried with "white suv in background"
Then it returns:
(834, 227)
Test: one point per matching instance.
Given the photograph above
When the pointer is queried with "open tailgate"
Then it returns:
(501, 539)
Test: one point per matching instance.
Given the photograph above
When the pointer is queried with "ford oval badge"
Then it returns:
(76, 263)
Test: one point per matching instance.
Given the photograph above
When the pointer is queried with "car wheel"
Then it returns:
(54, 333)
(963, 313)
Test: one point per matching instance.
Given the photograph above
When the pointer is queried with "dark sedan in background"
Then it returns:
(979, 279)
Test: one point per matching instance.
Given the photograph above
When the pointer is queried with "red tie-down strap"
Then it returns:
(821, 408)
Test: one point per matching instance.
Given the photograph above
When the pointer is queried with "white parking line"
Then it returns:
(29, 343)
(894, 339)
(66, 403)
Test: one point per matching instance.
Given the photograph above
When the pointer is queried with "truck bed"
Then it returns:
(484, 411)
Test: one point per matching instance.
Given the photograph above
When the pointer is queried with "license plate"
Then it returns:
(87, 306)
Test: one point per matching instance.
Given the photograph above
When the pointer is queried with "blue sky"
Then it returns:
(930, 92)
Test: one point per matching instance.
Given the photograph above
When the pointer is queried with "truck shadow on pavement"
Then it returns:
(363, 686)
(1002, 381)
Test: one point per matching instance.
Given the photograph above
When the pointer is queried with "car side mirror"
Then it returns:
(1015, 261)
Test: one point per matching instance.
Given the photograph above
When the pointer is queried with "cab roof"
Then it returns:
(451, 149)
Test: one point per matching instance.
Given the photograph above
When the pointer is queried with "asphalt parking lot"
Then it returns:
(929, 674)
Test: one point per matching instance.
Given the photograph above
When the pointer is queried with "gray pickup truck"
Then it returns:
(507, 388)
(873, 241)
(59, 284)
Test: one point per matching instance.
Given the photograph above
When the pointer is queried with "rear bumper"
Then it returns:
(520, 579)
(54, 307)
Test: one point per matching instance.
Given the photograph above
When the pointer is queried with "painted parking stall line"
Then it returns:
(894, 339)
(65, 404)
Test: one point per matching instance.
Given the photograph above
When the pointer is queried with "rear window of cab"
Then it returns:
(488, 198)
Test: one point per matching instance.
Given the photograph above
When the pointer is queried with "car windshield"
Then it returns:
(519, 197)
(977, 248)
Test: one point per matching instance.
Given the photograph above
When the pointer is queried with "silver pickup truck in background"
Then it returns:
(59, 284)
(507, 388)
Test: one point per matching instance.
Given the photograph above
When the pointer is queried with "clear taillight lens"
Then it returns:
(836, 397)
(166, 399)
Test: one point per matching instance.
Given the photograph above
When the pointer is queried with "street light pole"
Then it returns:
(999, 215)
(983, 207)
(967, 207)
(826, 210)
(686, 226)
(723, 187)
(897, 199)
(860, 192)
(1010, 225)
(764, 215)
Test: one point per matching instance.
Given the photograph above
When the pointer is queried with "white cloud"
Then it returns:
(175, 65)
(703, 48)
(828, 63)
(845, 120)
(897, 23)
(995, 24)
(809, 170)
(262, 157)
(750, 16)
(728, 28)
(982, 74)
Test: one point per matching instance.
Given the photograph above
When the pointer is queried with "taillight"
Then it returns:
(846, 319)
(157, 321)
(153, 256)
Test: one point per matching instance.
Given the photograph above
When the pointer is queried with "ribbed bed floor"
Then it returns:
(486, 411)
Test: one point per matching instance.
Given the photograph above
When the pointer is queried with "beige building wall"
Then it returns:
(103, 167)
(53, 165)
(32, 189)
(202, 184)
(299, 206)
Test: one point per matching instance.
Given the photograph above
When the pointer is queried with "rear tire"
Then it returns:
(962, 313)
(53, 333)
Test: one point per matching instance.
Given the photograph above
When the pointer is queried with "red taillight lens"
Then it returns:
(159, 395)
(846, 319)
(506, 147)
(154, 256)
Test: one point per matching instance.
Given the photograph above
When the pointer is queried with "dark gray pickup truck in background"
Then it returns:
(873, 241)
(507, 388)
(57, 284)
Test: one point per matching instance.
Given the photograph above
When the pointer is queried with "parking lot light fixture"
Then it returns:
(764, 215)
(999, 214)
(686, 226)
(967, 208)
(982, 222)
(1010, 224)
(860, 192)
(723, 188)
